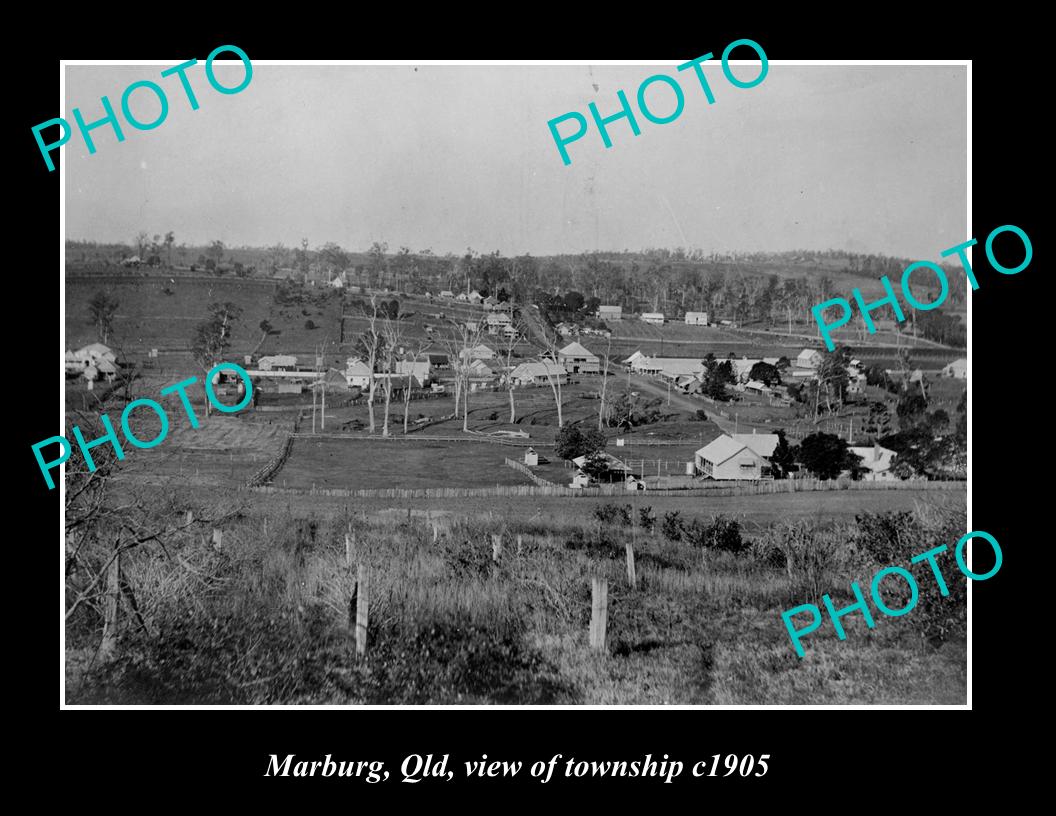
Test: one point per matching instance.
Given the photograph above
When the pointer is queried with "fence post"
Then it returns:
(599, 613)
(496, 547)
(111, 607)
(190, 517)
(362, 602)
(218, 539)
(632, 576)
(350, 542)
(519, 543)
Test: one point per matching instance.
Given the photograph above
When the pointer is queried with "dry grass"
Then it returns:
(266, 620)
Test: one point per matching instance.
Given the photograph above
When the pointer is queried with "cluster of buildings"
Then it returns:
(748, 457)
(491, 303)
(92, 362)
(655, 318)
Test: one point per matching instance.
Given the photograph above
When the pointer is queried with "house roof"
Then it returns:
(877, 459)
(807, 354)
(719, 450)
(610, 308)
(613, 462)
(97, 350)
(356, 368)
(636, 356)
(577, 350)
(763, 444)
(479, 350)
(534, 370)
(653, 314)
(754, 384)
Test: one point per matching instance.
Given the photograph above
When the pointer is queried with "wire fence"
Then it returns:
(715, 489)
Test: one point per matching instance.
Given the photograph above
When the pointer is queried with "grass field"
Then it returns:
(266, 620)
(358, 464)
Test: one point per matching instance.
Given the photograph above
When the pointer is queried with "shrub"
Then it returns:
(702, 415)
(309, 324)
(720, 533)
(613, 514)
(646, 518)
(672, 526)
(811, 557)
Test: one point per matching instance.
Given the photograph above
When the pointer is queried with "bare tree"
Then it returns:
(371, 343)
(212, 337)
(416, 354)
(548, 339)
(392, 333)
(101, 309)
(604, 384)
(512, 339)
(462, 337)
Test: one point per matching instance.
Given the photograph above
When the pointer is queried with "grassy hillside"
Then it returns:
(265, 619)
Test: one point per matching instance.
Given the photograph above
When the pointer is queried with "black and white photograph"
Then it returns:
(516, 383)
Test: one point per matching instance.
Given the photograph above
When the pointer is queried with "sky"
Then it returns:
(866, 159)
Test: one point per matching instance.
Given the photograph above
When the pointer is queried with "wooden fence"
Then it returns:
(527, 471)
(717, 489)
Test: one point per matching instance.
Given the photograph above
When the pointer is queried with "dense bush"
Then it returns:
(613, 514)
(672, 526)
(893, 538)
(646, 518)
(719, 533)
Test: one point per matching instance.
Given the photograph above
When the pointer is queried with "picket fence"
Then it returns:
(718, 489)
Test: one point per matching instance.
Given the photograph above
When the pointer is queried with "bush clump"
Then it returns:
(615, 514)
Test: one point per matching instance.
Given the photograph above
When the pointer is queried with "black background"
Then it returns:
(183, 757)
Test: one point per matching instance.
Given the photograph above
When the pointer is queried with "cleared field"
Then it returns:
(363, 463)
(752, 511)
(148, 316)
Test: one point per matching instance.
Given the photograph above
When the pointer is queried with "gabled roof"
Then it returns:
(577, 350)
(876, 459)
(612, 461)
(97, 350)
(763, 444)
(636, 356)
(356, 368)
(719, 450)
(807, 354)
(534, 370)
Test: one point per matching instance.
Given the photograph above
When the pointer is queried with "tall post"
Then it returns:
(599, 613)
(362, 605)
(632, 576)
(111, 607)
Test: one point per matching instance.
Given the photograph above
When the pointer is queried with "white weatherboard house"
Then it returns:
(656, 318)
(877, 461)
(808, 358)
(578, 359)
(277, 362)
(696, 318)
(539, 373)
(480, 352)
(742, 456)
(419, 370)
(357, 372)
(91, 360)
(497, 321)
(610, 312)
(957, 369)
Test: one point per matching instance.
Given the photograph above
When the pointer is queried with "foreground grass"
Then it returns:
(267, 621)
